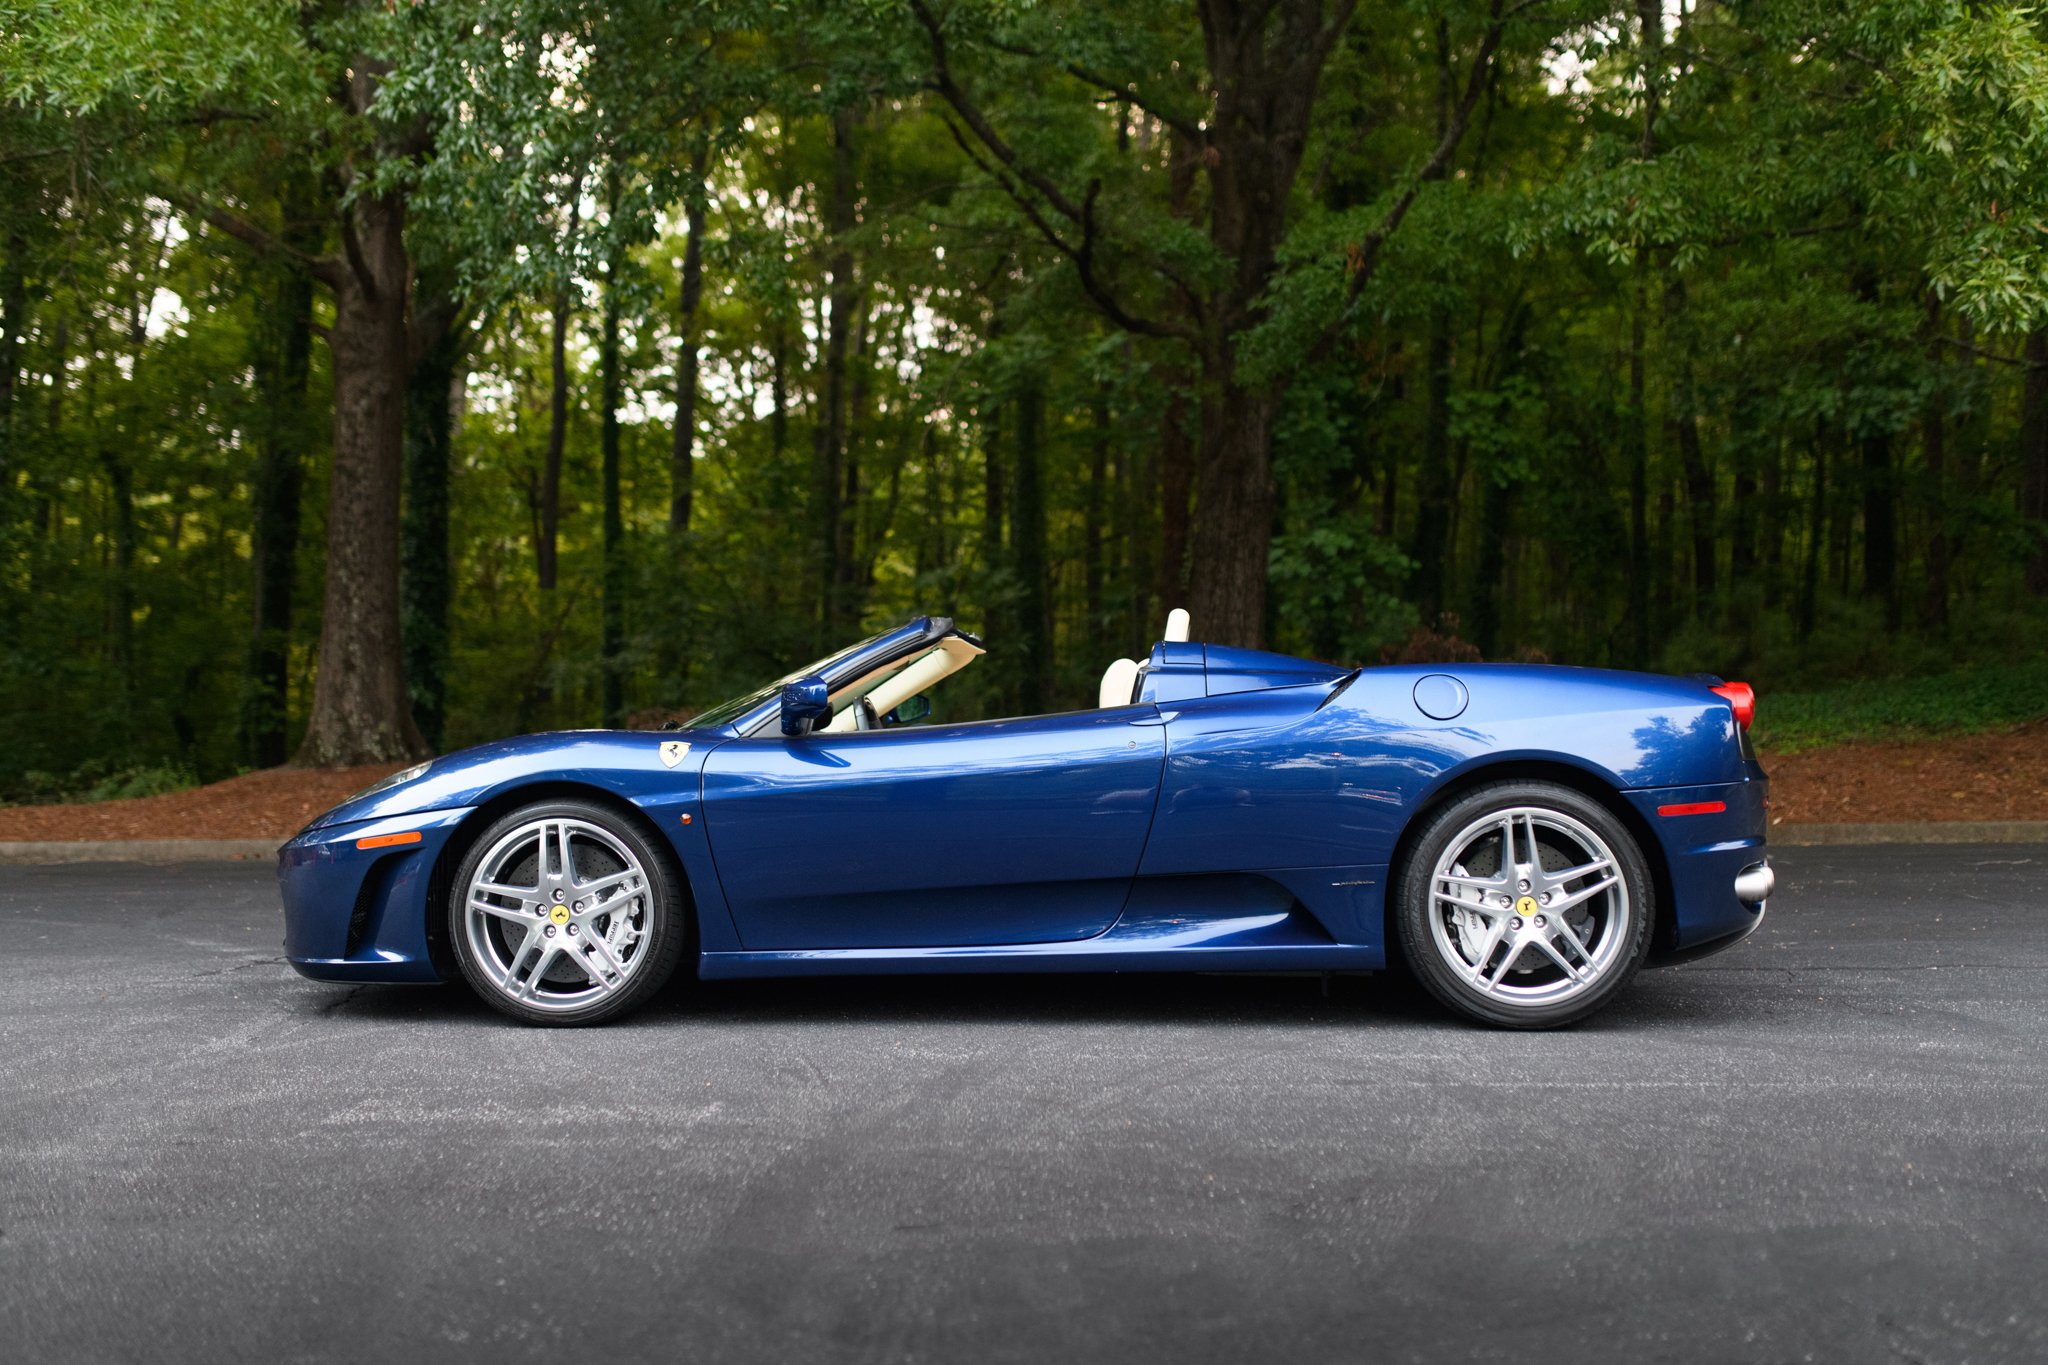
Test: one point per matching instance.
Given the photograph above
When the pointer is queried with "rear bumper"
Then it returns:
(1713, 842)
(354, 914)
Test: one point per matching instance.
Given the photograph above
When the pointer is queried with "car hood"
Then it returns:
(469, 776)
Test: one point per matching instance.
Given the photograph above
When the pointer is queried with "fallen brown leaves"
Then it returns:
(1998, 776)
(270, 804)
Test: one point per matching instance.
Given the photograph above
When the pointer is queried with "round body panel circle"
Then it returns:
(1440, 696)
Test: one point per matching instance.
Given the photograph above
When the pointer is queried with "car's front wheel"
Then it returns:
(1525, 904)
(564, 912)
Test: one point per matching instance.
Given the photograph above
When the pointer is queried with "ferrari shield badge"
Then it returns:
(672, 751)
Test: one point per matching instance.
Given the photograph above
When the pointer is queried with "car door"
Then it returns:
(1010, 831)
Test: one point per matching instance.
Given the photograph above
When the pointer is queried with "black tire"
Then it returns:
(1438, 920)
(651, 906)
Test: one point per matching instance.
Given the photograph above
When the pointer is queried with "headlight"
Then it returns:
(401, 776)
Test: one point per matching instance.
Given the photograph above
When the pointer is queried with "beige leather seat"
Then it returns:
(1119, 684)
(1120, 679)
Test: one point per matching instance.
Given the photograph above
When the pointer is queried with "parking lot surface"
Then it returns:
(1828, 1144)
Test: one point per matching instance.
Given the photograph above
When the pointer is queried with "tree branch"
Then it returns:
(1126, 92)
(971, 115)
(1008, 170)
(1367, 254)
(352, 248)
(322, 268)
(1082, 255)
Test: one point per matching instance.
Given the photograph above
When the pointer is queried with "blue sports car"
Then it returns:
(1521, 838)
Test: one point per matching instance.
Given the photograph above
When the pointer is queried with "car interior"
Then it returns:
(872, 702)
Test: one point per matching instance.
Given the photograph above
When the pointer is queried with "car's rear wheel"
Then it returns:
(564, 912)
(1525, 904)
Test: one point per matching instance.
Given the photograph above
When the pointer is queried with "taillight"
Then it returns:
(1742, 697)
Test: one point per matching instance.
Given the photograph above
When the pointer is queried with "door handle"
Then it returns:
(1159, 719)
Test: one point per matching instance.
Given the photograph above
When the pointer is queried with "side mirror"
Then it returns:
(806, 703)
(911, 710)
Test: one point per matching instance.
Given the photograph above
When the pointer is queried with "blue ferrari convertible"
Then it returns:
(1521, 838)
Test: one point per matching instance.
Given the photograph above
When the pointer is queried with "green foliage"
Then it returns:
(97, 780)
(1903, 708)
(1799, 302)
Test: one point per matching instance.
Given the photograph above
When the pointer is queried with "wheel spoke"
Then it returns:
(1479, 884)
(1493, 938)
(1477, 907)
(600, 948)
(567, 870)
(540, 966)
(518, 914)
(1571, 936)
(1584, 893)
(1549, 950)
(593, 971)
(518, 955)
(1582, 870)
(599, 885)
(1500, 972)
(523, 893)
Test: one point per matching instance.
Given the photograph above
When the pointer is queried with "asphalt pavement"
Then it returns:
(1829, 1144)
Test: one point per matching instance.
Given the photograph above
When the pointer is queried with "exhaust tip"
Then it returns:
(1754, 884)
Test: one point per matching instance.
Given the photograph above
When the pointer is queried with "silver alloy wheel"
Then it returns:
(557, 914)
(1528, 906)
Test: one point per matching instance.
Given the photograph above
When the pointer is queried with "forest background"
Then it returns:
(377, 378)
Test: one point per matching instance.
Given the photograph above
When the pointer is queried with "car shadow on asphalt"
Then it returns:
(1298, 1000)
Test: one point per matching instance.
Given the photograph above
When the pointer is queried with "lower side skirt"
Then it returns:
(1085, 956)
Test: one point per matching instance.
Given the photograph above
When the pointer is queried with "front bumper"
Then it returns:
(357, 914)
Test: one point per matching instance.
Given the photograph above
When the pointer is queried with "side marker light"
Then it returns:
(1694, 808)
(411, 836)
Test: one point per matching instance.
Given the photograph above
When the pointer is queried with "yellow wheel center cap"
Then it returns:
(1526, 907)
(560, 914)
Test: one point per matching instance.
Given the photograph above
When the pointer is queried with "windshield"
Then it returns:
(726, 712)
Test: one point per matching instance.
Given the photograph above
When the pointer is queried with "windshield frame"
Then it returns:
(743, 715)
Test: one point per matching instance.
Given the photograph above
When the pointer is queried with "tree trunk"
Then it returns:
(850, 583)
(361, 710)
(1880, 528)
(549, 501)
(1816, 541)
(830, 433)
(121, 578)
(613, 643)
(1934, 448)
(1094, 512)
(1234, 494)
(778, 388)
(1176, 488)
(1027, 539)
(14, 310)
(284, 430)
(1699, 490)
(682, 457)
(1437, 488)
(439, 344)
(2034, 456)
(1496, 505)
(1639, 471)
(1650, 21)
(1265, 65)
(1434, 493)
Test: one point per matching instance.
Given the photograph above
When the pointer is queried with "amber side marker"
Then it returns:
(1694, 808)
(411, 836)
(686, 818)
